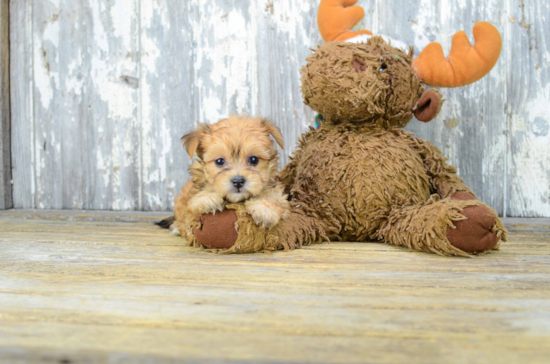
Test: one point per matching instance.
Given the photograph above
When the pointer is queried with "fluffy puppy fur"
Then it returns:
(236, 162)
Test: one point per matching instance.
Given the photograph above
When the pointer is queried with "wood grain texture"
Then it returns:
(114, 292)
(134, 216)
(5, 132)
(167, 99)
(85, 104)
(21, 100)
(523, 224)
(103, 95)
(528, 108)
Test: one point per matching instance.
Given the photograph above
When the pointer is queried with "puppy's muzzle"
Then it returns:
(238, 182)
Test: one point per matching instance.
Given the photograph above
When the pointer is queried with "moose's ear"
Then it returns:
(428, 106)
(274, 132)
(191, 141)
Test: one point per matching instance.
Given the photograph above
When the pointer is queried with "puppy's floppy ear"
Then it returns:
(191, 141)
(274, 132)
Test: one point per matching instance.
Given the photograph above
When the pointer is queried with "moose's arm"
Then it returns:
(481, 229)
(443, 177)
(288, 174)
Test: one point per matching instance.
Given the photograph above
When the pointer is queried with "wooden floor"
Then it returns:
(89, 288)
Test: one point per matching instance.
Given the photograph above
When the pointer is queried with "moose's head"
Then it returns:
(357, 77)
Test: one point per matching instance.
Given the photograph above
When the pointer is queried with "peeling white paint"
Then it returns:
(123, 22)
(106, 73)
(246, 57)
(289, 17)
(75, 83)
(43, 73)
(421, 25)
(531, 162)
(223, 58)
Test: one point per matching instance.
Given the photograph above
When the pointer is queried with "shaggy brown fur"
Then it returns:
(383, 87)
(361, 174)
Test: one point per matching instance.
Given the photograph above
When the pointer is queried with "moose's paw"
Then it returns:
(217, 231)
(475, 233)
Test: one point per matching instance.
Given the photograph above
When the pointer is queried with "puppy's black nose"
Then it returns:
(238, 181)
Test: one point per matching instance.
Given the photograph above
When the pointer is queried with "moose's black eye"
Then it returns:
(253, 160)
(220, 162)
(383, 67)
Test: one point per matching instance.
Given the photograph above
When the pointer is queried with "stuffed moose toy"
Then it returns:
(360, 176)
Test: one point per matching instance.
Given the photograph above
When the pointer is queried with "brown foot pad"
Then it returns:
(474, 234)
(217, 231)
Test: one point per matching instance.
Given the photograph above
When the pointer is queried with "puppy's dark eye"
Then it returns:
(253, 160)
(220, 162)
(383, 68)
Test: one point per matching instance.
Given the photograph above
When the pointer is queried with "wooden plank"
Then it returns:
(167, 99)
(85, 215)
(512, 224)
(21, 93)
(527, 224)
(85, 104)
(528, 177)
(471, 128)
(95, 292)
(5, 132)
(224, 70)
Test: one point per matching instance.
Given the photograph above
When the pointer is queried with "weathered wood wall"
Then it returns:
(5, 147)
(102, 90)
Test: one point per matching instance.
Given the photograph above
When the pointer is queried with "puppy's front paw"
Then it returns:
(205, 203)
(175, 231)
(265, 213)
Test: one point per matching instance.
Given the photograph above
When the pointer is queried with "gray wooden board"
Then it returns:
(167, 103)
(85, 104)
(21, 100)
(528, 108)
(111, 292)
(97, 216)
(513, 224)
(5, 147)
(102, 92)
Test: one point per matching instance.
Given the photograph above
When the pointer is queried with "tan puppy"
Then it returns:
(236, 162)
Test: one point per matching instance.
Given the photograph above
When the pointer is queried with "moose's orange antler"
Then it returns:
(465, 64)
(336, 19)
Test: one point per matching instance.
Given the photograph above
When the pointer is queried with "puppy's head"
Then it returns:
(237, 155)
